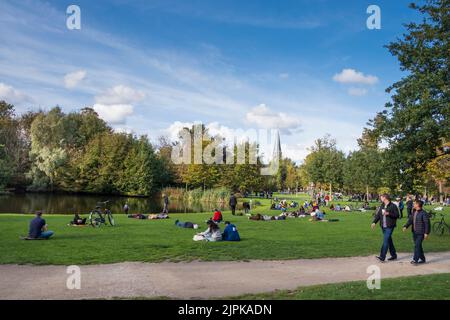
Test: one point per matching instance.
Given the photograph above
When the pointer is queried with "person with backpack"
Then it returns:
(420, 223)
(230, 233)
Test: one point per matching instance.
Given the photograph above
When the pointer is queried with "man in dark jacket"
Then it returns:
(420, 223)
(233, 203)
(387, 215)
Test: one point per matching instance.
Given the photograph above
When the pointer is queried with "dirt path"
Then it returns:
(194, 279)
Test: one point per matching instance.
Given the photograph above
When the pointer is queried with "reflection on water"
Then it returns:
(70, 204)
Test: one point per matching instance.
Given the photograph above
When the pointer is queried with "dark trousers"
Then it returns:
(388, 244)
(401, 213)
(233, 210)
(418, 250)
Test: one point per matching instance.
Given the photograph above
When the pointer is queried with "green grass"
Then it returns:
(429, 287)
(160, 240)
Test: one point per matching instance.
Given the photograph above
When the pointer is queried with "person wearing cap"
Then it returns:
(38, 228)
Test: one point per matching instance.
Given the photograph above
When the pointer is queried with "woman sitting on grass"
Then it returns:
(213, 233)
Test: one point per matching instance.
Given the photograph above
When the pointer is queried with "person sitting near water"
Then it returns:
(347, 208)
(186, 224)
(217, 217)
(38, 228)
(137, 216)
(332, 207)
(212, 234)
(230, 233)
(78, 221)
(338, 207)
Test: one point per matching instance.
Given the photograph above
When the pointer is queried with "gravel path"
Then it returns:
(200, 279)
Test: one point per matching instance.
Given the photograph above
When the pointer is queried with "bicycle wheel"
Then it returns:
(95, 219)
(111, 219)
(438, 228)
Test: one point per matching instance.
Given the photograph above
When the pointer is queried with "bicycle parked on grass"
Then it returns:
(439, 227)
(101, 215)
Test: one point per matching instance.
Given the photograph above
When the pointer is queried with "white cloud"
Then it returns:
(12, 95)
(116, 104)
(120, 95)
(263, 117)
(353, 76)
(114, 113)
(283, 75)
(357, 91)
(72, 79)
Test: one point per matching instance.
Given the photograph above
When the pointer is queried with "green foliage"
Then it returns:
(416, 120)
(324, 164)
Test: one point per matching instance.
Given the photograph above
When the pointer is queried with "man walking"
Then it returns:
(420, 223)
(387, 215)
(233, 203)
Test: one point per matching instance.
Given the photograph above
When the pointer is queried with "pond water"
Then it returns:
(70, 204)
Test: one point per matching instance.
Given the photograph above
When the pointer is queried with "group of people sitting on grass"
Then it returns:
(141, 216)
(213, 232)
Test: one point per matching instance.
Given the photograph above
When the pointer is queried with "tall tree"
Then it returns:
(417, 118)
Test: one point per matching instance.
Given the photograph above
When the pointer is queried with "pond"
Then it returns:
(69, 204)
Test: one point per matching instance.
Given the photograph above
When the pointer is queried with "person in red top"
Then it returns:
(217, 216)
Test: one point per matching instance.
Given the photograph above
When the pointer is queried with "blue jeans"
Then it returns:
(387, 244)
(418, 250)
(46, 234)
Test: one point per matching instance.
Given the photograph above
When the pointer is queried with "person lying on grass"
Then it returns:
(186, 224)
(213, 233)
(230, 233)
(38, 228)
(158, 216)
(137, 216)
(260, 217)
(77, 220)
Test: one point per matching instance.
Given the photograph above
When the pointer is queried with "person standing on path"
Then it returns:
(126, 208)
(166, 204)
(233, 204)
(420, 223)
(387, 215)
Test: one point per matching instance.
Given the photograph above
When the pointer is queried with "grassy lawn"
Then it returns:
(429, 287)
(159, 240)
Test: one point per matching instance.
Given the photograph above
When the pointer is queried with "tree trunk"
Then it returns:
(367, 193)
(441, 195)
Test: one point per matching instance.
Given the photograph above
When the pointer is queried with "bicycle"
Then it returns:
(440, 226)
(97, 217)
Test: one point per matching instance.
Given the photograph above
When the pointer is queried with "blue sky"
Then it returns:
(305, 67)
